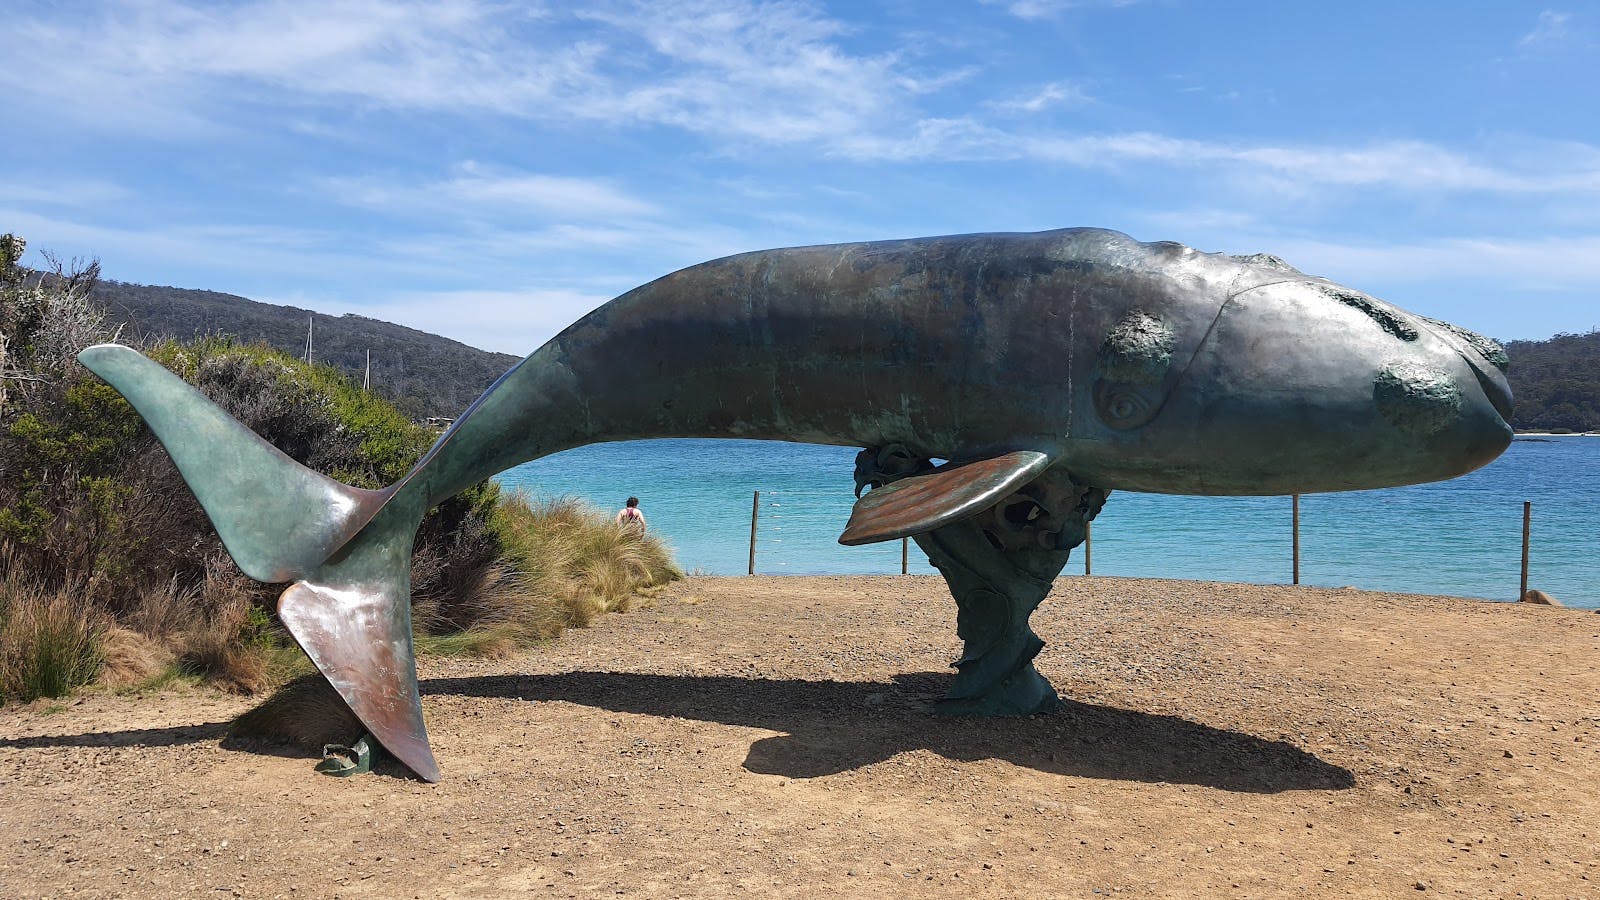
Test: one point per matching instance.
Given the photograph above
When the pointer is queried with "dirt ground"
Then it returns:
(771, 737)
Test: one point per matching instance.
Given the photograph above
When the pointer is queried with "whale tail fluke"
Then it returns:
(278, 519)
(353, 618)
(347, 550)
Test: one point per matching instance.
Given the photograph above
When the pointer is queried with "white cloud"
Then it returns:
(1055, 93)
(1202, 219)
(338, 281)
(1570, 262)
(761, 72)
(1047, 9)
(1542, 263)
(742, 74)
(629, 251)
(1402, 165)
(1553, 27)
(65, 192)
(476, 190)
(152, 246)
(167, 63)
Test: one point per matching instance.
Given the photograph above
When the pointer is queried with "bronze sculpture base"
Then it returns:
(999, 565)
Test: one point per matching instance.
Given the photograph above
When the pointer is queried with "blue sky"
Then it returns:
(490, 171)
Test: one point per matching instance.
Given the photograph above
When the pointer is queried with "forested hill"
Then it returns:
(423, 374)
(1556, 382)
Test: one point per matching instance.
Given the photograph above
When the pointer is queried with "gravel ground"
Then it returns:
(770, 736)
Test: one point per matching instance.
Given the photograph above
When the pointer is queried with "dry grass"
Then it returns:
(489, 642)
(561, 564)
(50, 643)
(55, 640)
(577, 558)
(217, 655)
(305, 712)
(215, 632)
(133, 659)
(226, 643)
(96, 514)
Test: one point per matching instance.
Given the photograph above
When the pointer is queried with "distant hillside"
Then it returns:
(1556, 383)
(424, 374)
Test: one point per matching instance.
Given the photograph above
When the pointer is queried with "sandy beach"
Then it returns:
(770, 736)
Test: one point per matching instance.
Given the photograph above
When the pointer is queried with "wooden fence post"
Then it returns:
(1296, 538)
(1088, 550)
(905, 555)
(1527, 521)
(755, 509)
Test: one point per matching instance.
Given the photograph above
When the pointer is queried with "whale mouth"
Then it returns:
(1485, 358)
(1494, 386)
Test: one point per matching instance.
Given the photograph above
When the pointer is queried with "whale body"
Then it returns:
(1126, 365)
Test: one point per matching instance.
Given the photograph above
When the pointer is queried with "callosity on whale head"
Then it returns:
(1296, 385)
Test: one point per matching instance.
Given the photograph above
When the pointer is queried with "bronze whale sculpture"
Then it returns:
(1000, 384)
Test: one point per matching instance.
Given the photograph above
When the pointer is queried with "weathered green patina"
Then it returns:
(1002, 385)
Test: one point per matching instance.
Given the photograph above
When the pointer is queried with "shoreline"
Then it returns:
(1201, 582)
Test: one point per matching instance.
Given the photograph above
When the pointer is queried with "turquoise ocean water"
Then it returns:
(1461, 537)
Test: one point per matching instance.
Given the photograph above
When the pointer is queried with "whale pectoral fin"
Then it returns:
(925, 502)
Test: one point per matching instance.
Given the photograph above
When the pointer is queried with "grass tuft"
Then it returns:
(305, 712)
(134, 660)
(49, 644)
(576, 558)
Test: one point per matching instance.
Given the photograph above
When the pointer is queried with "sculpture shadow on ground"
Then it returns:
(175, 736)
(832, 726)
(183, 735)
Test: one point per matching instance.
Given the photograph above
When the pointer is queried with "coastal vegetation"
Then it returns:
(1556, 383)
(110, 573)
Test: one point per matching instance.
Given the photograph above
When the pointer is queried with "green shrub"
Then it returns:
(49, 643)
(92, 508)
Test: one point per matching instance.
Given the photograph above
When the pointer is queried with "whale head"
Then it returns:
(1294, 384)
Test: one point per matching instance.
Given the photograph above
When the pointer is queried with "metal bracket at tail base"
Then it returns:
(341, 761)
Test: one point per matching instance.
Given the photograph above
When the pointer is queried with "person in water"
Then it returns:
(630, 516)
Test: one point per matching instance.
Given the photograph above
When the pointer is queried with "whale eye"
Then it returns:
(1124, 406)
(1121, 406)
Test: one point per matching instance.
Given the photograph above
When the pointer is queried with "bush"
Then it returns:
(133, 659)
(49, 644)
(93, 509)
(559, 563)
